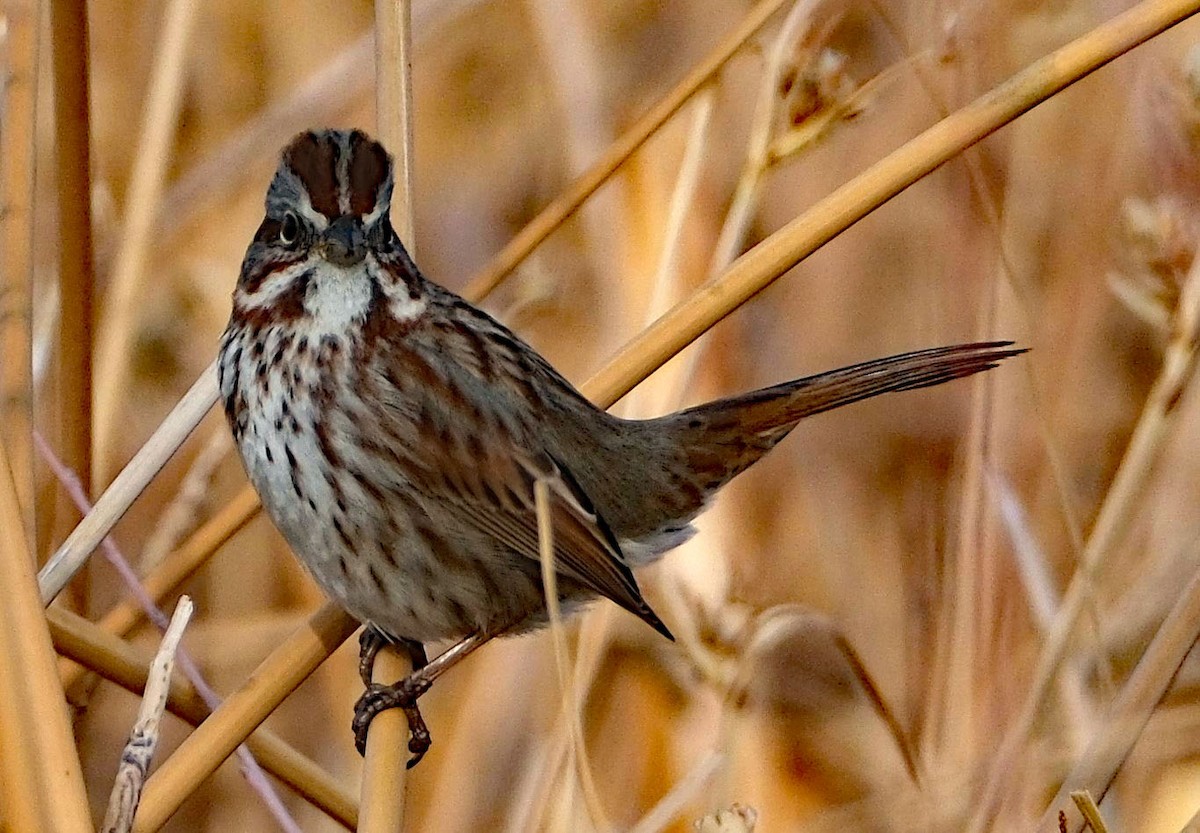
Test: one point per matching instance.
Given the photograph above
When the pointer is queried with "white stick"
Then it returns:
(135, 760)
(134, 478)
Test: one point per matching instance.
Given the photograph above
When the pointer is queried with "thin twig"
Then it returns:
(569, 201)
(143, 740)
(1091, 813)
(242, 711)
(568, 691)
(119, 662)
(1112, 521)
(1129, 712)
(250, 767)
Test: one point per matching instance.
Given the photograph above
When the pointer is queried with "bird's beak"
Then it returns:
(343, 242)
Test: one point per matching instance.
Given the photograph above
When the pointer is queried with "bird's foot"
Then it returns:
(402, 695)
(372, 640)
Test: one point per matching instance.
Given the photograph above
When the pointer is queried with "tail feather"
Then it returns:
(721, 439)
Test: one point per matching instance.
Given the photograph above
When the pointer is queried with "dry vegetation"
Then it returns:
(926, 612)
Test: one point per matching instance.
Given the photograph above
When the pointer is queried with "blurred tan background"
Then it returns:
(902, 544)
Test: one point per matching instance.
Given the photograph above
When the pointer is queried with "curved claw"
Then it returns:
(379, 698)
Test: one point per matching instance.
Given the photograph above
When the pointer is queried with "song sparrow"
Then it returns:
(395, 432)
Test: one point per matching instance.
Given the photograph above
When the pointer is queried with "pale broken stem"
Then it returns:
(143, 740)
(231, 723)
(577, 750)
(119, 322)
(1111, 523)
(1127, 716)
(129, 484)
(250, 768)
(120, 663)
(1091, 813)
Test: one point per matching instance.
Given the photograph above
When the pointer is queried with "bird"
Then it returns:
(395, 433)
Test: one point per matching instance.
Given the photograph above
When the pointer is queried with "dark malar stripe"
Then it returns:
(314, 160)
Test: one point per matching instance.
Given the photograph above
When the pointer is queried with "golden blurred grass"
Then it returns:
(917, 529)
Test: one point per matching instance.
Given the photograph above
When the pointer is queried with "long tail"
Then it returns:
(719, 440)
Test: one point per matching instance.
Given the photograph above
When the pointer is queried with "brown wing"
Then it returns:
(493, 492)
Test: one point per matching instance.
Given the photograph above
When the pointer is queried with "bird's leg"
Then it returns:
(372, 640)
(403, 694)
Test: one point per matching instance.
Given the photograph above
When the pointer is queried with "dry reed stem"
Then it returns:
(1127, 716)
(1055, 72)
(176, 568)
(569, 704)
(217, 737)
(321, 98)
(1112, 520)
(181, 512)
(143, 739)
(119, 318)
(569, 201)
(68, 22)
(382, 790)
(129, 484)
(119, 662)
(17, 160)
(762, 130)
(42, 785)
(767, 261)
(919, 157)
(1091, 813)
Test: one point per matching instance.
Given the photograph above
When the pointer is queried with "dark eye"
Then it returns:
(289, 229)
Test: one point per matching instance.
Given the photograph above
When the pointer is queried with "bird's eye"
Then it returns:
(289, 229)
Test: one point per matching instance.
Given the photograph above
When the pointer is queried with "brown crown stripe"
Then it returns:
(314, 160)
(369, 164)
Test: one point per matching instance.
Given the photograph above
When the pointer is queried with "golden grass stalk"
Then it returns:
(216, 738)
(17, 154)
(68, 21)
(143, 740)
(119, 323)
(568, 691)
(42, 787)
(569, 201)
(1120, 503)
(385, 768)
(119, 662)
(920, 156)
(177, 568)
(1120, 728)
